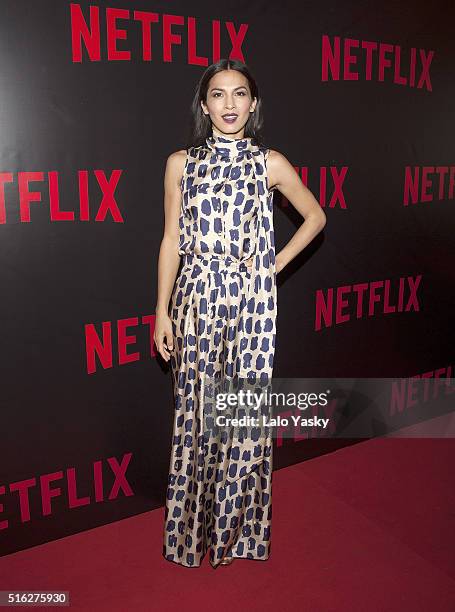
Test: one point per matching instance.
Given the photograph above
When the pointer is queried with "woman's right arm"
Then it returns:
(169, 258)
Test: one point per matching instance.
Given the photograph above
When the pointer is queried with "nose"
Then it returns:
(229, 103)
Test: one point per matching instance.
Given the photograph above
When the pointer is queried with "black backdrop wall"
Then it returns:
(359, 97)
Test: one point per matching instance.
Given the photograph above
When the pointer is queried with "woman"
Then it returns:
(219, 220)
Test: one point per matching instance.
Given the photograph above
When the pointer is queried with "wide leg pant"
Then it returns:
(219, 493)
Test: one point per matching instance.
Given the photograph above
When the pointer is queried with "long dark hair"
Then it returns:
(201, 125)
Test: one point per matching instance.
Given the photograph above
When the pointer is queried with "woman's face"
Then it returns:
(229, 94)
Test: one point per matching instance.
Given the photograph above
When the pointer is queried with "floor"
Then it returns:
(367, 528)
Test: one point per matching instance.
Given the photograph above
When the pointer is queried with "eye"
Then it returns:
(218, 93)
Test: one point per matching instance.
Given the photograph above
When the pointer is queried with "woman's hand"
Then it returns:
(163, 335)
(279, 265)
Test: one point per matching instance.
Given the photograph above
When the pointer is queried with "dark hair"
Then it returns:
(201, 125)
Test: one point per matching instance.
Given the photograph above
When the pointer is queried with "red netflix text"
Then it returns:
(174, 31)
(338, 305)
(428, 183)
(94, 207)
(19, 493)
(103, 347)
(408, 393)
(340, 59)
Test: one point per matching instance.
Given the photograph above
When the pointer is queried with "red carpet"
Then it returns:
(367, 528)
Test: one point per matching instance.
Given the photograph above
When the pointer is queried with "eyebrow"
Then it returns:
(222, 89)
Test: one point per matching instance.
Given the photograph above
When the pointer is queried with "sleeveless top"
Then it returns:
(227, 212)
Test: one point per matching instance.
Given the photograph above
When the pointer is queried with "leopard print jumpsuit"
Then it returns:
(223, 313)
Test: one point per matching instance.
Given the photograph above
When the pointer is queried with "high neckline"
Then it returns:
(229, 148)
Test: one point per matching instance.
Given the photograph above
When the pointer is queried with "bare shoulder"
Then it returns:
(276, 158)
(177, 159)
(175, 165)
(276, 163)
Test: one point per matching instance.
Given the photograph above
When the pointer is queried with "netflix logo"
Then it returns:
(428, 183)
(98, 207)
(15, 497)
(380, 61)
(338, 305)
(331, 181)
(425, 388)
(420, 185)
(102, 346)
(121, 25)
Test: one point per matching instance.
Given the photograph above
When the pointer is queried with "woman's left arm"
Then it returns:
(282, 175)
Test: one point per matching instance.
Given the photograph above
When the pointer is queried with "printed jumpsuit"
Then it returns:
(223, 315)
